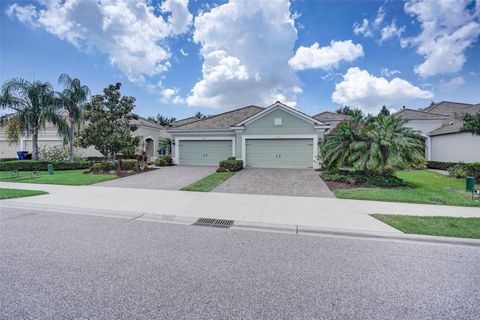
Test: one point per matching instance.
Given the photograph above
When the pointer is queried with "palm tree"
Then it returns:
(385, 144)
(200, 115)
(378, 146)
(162, 120)
(73, 97)
(32, 106)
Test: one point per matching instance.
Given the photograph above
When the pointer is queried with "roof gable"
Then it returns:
(284, 107)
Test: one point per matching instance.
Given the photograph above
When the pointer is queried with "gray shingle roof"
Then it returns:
(328, 116)
(411, 114)
(454, 110)
(145, 122)
(181, 122)
(221, 121)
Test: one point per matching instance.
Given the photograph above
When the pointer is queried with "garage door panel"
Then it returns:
(204, 152)
(279, 153)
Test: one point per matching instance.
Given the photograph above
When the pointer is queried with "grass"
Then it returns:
(431, 188)
(209, 183)
(434, 226)
(16, 193)
(66, 177)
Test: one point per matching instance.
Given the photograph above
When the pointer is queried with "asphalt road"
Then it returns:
(56, 266)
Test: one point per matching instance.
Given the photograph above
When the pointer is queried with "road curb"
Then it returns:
(251, 225)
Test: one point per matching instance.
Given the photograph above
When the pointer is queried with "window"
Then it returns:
(278, 121)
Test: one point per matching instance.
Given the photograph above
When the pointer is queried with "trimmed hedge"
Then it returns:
(439, 165)
(231, 164)
(8, 159)
(128, 165)
(102, 167)
(41, 165)
(471, 169)
(96, 159)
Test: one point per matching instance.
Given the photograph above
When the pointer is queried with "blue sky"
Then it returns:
(178, 57)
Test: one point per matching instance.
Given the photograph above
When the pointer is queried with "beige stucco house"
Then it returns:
(150, 132)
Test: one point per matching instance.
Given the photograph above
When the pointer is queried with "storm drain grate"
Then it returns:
(216, 223)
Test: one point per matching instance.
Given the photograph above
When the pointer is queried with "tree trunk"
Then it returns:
(72, 139)
(35, 146)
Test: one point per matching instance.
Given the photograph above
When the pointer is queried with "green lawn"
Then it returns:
(431, 188)
(434, 226)
(15, 193)
(210, 182)
(66, 177)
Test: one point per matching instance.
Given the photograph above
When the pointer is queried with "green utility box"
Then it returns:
(470, 184)
(50, 169)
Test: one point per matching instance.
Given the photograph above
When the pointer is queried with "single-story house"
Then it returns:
(150, 132)
(440, 125)
(274, 137)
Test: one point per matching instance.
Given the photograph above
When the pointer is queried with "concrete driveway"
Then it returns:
(284, 182)
(165, 178)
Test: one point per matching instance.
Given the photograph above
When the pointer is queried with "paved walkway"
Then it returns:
(304, 211)
(164, 178)
(284, 182)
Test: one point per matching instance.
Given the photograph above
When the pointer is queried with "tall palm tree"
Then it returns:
(30, 105)
(74, 97)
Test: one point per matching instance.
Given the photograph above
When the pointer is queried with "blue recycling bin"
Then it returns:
(22, 155)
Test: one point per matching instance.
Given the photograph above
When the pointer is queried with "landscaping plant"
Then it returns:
(53, 153)
(30, 105)
(377, 146)
(109, 129)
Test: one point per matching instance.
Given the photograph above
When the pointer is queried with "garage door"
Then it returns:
(279, 153)
(204, 152)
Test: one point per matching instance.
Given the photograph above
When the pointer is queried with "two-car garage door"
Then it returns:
(204, 152)
(279, 153)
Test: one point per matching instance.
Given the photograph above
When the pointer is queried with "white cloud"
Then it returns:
(391, 31)
(363, 28)
(129, 32)
(183, 52)
(246, 46)
(380, 16)
(326, 58)
(361, 89)
(448, 27)
(170, 95)
(388, 73)
(452, 84)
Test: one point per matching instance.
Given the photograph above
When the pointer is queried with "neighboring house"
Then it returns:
(181, 122)
(151, 133)
(274, 137)
(440, 125)
(331, 118)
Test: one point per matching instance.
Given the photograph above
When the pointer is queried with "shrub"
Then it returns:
(8, 159)
(96, 159)
(53, 153)
(40, 165)
(385, 181)
(168, 159)
(232, 164)
(362, 178)
(457, 171)
(102, 167)
(221, 169)
(439, 165)
(129, 165)
(473, 170)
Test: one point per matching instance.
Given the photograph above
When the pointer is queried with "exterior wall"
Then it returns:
(455, 147)
(424, 126)
(291, 125)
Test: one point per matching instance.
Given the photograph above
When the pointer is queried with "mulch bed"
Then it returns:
(332, 185)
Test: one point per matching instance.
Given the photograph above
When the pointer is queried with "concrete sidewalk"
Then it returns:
(284, 210)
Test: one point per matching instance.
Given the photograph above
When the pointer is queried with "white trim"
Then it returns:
(176, 158)
(285, 108)
(315, 164)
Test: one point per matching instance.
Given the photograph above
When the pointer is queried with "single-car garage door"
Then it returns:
(204, 152)
(279, 153)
